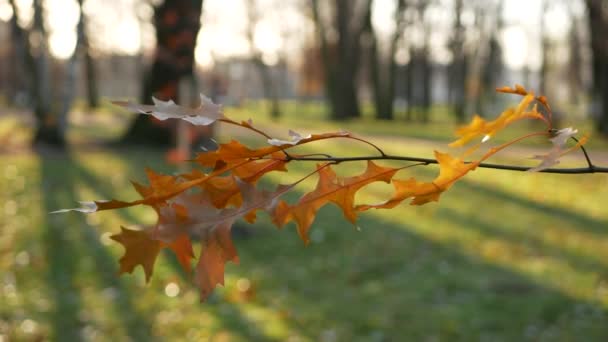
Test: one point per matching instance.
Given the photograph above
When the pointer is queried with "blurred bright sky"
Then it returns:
(124, 26)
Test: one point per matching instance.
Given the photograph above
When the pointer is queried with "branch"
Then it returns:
(428, 161)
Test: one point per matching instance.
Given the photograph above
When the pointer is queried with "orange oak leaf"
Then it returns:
(450, 170)
(234, 151)
(251, 172)
(182, 247)
(221, 190)
(519, 90)
(217, 250)
(480, 127)
(195, 214)
(330, 188)
(140, 249)
(305, 210)
(155, 198)
(203, 216)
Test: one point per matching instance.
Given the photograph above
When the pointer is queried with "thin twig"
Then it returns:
(591, 166)
(368, 143)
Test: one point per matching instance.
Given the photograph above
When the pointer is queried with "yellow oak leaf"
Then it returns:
(479, 127)
(450, 170)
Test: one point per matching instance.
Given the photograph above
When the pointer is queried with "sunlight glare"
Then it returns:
(26, 12)
(63, 16)
(266, 38)
(62, 43)
(516, 42)
(6, 12)
(172, 290)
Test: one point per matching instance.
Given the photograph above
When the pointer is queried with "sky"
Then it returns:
(123, 26)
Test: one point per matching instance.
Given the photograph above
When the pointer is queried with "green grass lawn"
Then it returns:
(503, 257)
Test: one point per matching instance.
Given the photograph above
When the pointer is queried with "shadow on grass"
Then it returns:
(233, 320)
(579, 220)
(69, 242)
(389, 283)
(501, 231)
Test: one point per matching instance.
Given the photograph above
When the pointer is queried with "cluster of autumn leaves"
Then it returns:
(204, 204)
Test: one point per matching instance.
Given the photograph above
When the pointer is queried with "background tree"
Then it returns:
(177, 23)
(493, 65)
(340, 44)
(83, 51)
(457, 69)
(268, 83)
(383, 66)
(576, 59)
(598, 29)
(51, 125)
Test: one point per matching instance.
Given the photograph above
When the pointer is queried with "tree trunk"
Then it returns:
(427, 80)
(341, 65)
(177, 23)
(84, 50)
(457, 70)
(268, 84)
(598, 27)
(383, 73)
(18, 74)
(409, 90)
(545, 47)
(51, 126)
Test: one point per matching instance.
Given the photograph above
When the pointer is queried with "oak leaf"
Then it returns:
(195, 214)
(519, 90)
(206, 114)
(217, 250)
(295, 139)
(234, 151)
(330, 188)
(480, 127)
(450, 170)
(558, 150)
(182, 247)
(140, 249)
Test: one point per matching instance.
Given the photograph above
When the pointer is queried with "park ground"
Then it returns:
(505, 256)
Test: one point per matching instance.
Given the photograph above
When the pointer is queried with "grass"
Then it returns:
(503, 257)
(307, 115)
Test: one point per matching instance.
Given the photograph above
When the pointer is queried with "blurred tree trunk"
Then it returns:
(83, 48)
(268, 84)
(19, 56)
(51, 125)
(383, 71)
(427, 79)
(70, 72)
(177, 23)
(458, 67)
(493, 66)
(410, 79)
(598, 28)
(575, 60)
(545, 47)
(483, 57)
(341, 60)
